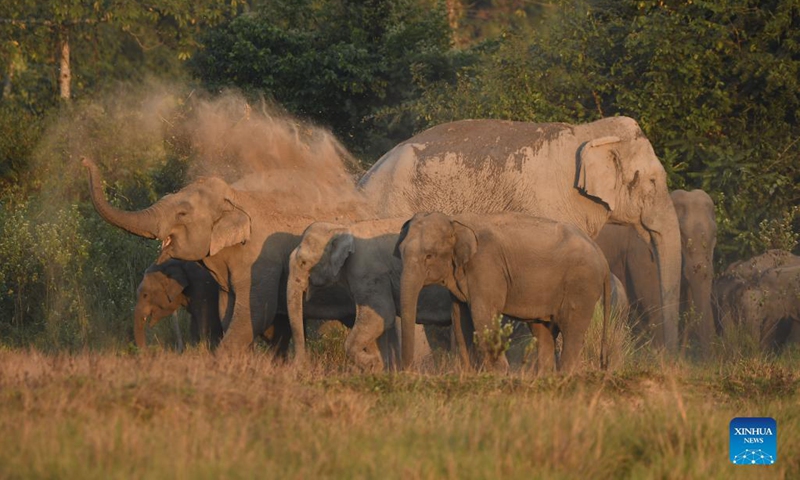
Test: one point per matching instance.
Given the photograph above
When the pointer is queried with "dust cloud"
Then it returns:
(136, 130)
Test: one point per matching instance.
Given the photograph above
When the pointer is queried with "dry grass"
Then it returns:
(197, 415)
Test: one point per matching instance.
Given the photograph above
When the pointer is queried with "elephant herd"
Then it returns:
(457, 225)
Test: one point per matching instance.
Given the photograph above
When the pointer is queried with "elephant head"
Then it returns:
(160, 293)
(622, 171)
(194, 223)
(435, 250)
(698, 227)
(316, 262)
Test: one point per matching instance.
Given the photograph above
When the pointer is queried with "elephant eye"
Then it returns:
(428, 256)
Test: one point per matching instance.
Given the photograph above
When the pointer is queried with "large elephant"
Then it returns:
(242, 237)
(528, 268)
(585, 175)
(359, 257)
(174, 284)
(770, 306)
(631, 259)
(741, 275)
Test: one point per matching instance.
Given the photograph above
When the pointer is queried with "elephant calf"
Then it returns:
(174, 284)
(531, 269)
(360, 258)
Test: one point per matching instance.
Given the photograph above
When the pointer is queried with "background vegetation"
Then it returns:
(714, 84)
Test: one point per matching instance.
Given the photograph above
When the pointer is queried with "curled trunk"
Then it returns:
(143, 223)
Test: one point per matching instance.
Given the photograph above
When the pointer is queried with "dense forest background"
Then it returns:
(714, 84)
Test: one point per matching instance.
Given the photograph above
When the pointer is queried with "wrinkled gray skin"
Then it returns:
(742, 275)
(359, 257)
(531, 269)
(585, 175)
(631, 259)
(240, 241)
(174, 284)
(770, 306)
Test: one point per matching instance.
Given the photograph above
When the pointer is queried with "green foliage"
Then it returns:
(67, 279)
(494, 340)
(336, 62)
(713, 84)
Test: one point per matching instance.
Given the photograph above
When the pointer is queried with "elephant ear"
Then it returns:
(599, 170)
(342, 245)
(175, 282)
(466, 244)
(232, 228)
(403, 235)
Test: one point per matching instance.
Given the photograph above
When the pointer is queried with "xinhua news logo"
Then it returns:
(753, 441)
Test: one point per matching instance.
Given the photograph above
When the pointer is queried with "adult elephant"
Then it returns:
(242, 237)
(769, 306)
(585, 175)
(743, 274)
(631, 259)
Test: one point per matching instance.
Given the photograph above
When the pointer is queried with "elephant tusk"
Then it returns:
(167, 241)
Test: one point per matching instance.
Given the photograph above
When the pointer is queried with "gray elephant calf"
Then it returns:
(531, 269)
(360, 258)
(174, 284)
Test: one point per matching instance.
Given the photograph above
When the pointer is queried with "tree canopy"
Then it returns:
(714, 85)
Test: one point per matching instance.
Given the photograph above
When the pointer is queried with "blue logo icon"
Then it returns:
(753, 441)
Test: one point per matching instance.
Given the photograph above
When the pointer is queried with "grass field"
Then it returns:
(196, 415)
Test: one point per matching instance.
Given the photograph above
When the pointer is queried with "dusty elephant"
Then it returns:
(740, 275)
(242, 237)
(770, 306)
(585, 175)
(531, 269)
(359, 257)
(631, 259)
(174, 284)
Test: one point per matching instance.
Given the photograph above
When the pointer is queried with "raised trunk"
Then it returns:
(410, 287)
(295, 290)
(143, 223)
(666, 238)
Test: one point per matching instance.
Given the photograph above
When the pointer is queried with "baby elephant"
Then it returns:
(528, 268)
(360, 258)
(174, 284)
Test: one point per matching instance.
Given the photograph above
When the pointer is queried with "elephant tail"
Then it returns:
(606, 319)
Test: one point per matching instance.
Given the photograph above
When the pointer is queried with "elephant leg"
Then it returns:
(573, 328)
(459, 316)
(281, 337)
(176, 326)
(545, 347)
(253, 312)
(483, 315)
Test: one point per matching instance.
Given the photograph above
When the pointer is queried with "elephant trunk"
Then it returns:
(410, 286)
(666, 241)
(295, 291)
(139, 323)
(700, 294)
(142, 223)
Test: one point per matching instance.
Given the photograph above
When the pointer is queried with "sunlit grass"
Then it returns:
(197, 415)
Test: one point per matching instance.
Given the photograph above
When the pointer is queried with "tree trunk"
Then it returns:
(64, 73)
(453, 16)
